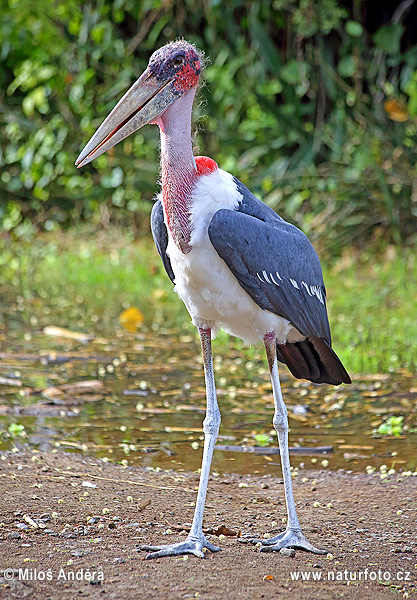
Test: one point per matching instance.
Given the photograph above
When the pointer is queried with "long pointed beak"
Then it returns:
(143, 103)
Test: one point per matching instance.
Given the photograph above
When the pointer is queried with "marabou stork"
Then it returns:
(235, 263)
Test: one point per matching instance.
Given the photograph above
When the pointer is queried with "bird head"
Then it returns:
(172, 71)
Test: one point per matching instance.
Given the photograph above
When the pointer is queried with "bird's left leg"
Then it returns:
(292, 537)
(196, 540)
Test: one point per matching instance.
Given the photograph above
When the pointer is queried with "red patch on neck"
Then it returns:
(205, 165)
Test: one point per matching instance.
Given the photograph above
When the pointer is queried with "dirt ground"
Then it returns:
(69, 527)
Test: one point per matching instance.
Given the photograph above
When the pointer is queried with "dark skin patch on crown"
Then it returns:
(179, 61)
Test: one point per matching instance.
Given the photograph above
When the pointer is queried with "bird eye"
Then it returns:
(178, 61)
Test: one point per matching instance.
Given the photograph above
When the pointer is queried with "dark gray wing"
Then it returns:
(160, 236)
(276, 265)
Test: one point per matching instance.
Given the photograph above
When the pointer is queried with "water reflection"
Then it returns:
(143, 400)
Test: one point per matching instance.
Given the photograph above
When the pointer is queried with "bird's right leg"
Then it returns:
(196, 540)
(292, 537)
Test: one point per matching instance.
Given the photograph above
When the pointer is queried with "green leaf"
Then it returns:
(16, 430)
(354, 28)
(265, 45)
(294, 72)
(392, 426)
(346, 66)
(388, 38)
(113, 179)
(262, 439)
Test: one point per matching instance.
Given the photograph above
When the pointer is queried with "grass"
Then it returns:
(84, 280)
(373, 310)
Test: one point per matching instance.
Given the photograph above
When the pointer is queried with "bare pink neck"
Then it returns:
(179, 171)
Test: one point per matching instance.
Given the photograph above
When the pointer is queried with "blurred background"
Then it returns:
(311, 103)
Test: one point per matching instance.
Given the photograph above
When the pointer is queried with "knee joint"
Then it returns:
(211, 423)
(280, 422)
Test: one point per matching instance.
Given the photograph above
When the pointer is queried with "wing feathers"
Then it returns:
(160, 236)
(270, 260)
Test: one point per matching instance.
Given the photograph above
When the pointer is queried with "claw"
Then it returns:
(189, 546)
(291, 538)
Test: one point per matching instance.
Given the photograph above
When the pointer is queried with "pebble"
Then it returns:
(299, 409)
(45, 517)
(264, 486)
(14, 536)
(290, 552)
(22, 526)
(118, 561)
(405, 549)
(112, 525)
(93, 520)
(243, 540)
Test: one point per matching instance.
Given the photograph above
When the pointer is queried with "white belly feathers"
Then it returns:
(209, 290)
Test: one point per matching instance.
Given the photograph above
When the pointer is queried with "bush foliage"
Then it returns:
(311, 103)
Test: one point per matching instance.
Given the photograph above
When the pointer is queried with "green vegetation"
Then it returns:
(262, 439)
(83, 281)
(16, 430)
(372, 309)
(311, 103)
(392, 426)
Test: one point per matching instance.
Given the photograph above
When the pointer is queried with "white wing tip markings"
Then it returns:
(267, 276)
(317, 291)
(312, 290)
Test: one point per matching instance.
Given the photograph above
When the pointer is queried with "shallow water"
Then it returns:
(144, 401)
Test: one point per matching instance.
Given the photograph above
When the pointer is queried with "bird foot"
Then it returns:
(192, 545)
(290, 538)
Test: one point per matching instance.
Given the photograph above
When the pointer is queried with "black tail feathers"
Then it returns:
(313, 359)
